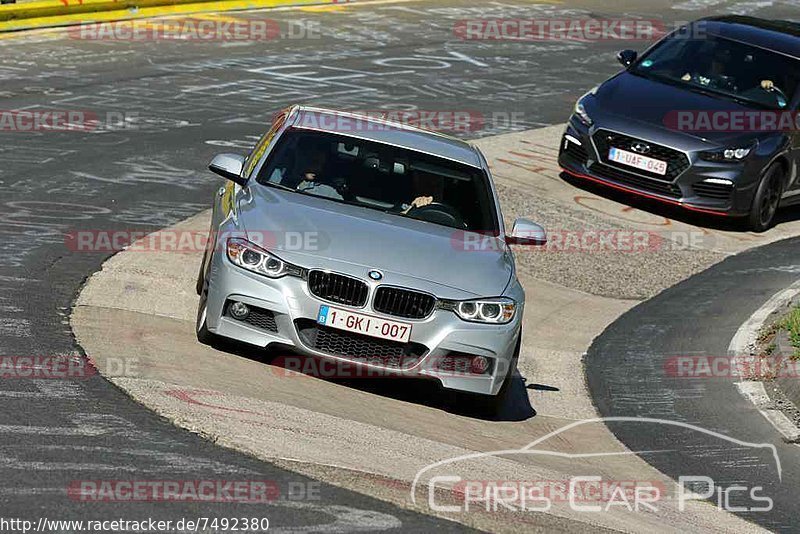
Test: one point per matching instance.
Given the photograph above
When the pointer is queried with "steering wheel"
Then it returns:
(714, 81)
(343, 188)
(437, 212)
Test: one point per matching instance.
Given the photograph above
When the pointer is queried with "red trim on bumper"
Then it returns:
(646, 195)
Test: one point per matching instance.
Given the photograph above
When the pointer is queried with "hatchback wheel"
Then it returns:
(766, 200)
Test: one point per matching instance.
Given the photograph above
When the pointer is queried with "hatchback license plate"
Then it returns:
(364, 324)
(631, 159)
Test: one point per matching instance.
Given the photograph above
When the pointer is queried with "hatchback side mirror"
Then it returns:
(627, 57)
(526, 232)
(229, 166)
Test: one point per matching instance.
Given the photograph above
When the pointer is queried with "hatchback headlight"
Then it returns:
(498, 310)
(250, 256)
(580, 109)
(580, 112)
(728, 154)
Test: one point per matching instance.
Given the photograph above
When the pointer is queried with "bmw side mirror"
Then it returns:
(229, 166)
(627, 57)
(525, 232)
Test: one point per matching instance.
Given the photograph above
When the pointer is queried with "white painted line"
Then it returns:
(84, 425)
(755, 392)
(47, 389)
(741, 351)
(789, 431)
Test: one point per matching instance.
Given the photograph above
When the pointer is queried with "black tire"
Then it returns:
(766, 200)
(201, 275)
(204, 335)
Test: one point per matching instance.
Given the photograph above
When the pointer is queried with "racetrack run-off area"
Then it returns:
(344, 455)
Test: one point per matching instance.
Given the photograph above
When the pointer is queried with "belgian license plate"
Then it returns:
(363, 324)
(638, 161)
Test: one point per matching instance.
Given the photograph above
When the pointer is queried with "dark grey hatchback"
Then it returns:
(706, 119)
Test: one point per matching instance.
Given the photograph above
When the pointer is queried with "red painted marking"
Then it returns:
(522, 165)
(580, 201)
(187, 397)
(532, 155)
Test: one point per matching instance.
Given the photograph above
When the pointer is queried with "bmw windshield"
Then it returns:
(723, 68)
(381, 177)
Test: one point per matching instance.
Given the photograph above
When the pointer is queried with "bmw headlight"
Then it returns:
(250, 256)
(729, 154)
(499, 310)
(580, 108)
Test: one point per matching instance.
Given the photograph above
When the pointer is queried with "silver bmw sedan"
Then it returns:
(368, 244)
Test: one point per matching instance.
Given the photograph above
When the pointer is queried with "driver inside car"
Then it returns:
(717, 74)
(426, 189)
(313, 166)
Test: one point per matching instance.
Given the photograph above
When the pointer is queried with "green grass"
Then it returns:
(792, 325)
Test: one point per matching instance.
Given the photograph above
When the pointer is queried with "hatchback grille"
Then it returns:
(712, 190)
(677, 161)
(337, 288)
(359, 348)
(615, 175)
(403, 303)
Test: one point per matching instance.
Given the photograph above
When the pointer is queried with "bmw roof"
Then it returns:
(387, 132)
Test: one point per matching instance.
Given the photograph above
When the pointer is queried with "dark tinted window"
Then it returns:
(382, 177)
(724, 68)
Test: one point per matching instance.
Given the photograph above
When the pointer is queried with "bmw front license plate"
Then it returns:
(631, 159)
(364, 324)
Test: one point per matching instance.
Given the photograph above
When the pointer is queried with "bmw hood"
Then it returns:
(319, 233)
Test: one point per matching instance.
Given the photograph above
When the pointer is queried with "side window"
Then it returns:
(263, 143)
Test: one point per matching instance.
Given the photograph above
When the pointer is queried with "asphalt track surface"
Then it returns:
(185, 102)
(699, 317)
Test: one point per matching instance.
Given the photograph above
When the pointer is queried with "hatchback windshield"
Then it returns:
(381, 177)
(723, 68)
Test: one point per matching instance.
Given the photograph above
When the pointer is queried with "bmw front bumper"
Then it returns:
(287, 312)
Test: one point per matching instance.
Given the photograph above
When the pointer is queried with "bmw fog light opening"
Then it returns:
(250, 256)
(480, 364)
(239, 311)
(497, 311)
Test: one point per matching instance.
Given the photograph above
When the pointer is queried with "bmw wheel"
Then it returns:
(204, 335)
